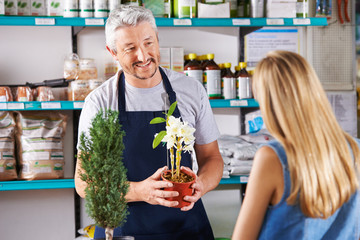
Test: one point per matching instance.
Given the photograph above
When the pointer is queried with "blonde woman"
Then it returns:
(305, 185)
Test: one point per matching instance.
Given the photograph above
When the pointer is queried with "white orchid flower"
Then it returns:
(170, 141)
(189, 148)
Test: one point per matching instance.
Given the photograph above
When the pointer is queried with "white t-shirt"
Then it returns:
(192, 101)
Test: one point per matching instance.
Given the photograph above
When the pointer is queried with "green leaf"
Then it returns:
(19, 3)
(157, 120)
(23, 5)
(33, 4)
(158, 139)
(56, 5)
(38, 5)
(6, 2)
(52, 4)
(171, 109)
(11, 4)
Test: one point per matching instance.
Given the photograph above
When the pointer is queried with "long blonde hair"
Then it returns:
(297, 113)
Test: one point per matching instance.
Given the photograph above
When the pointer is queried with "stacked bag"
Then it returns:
(39, 143)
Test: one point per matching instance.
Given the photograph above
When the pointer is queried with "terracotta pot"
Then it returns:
(184, 189)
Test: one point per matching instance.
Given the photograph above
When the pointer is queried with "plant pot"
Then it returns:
(184, 189)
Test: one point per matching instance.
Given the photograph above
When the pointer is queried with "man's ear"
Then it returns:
(112, 53)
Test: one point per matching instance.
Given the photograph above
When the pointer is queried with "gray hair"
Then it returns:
(126, 16)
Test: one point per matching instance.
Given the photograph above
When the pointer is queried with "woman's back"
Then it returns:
(284, 221)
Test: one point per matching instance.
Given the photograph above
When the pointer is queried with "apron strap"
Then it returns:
(121, 95)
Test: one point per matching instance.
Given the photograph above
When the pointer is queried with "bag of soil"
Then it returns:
(7, 147)
(40, 142)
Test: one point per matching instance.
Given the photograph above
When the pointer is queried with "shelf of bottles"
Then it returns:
(165, 22)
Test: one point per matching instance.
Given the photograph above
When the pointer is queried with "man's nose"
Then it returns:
(141, 54)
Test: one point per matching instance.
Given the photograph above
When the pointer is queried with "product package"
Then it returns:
(71, 66)
(79, 89)
(11, 7)
(2, 7)
(165, 57)
(54, 8)
(23, 94)
(24, 7)
(40, 144)
(38, 8)
(87, 69)
(254, 122)
(5, 94)
(7, 147)
(43, 94)
(177, 59)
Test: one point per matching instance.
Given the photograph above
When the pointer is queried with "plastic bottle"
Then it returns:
(186, 59)
(237, 71)
(212, 78)
(228, 83)
(233, 8)
(243, 82)
(193, 68)
(185, 9)
(302, 9)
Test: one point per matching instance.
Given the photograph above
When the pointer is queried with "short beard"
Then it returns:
(143, 78)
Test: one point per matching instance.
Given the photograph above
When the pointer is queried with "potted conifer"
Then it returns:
(101, 155)
(178, 137)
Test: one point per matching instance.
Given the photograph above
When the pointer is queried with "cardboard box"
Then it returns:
(11, 7)
(24, 7)
(165, 59)
(177, 59)
(281, 10)
(214, 10)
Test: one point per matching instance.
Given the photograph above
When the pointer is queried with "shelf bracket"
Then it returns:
(74, 32)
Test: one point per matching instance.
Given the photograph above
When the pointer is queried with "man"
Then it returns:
(140, 92)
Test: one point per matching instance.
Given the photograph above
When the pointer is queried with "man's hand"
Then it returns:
(151, 190)
(198, 191)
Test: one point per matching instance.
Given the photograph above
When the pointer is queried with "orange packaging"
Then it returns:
(24, 94)
(44, 94)
(5, 94)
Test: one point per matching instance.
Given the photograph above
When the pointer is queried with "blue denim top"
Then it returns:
(283, 221)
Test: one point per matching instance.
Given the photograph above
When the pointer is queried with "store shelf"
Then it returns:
(233, 103)
(52, 105)
(77, 105)
(165, 22)
(243, 179)
(37, 184)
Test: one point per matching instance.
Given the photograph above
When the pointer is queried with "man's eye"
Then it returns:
(149, 43)
(129, 49)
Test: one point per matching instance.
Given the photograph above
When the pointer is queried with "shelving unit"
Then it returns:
(166, 22)
(77, 105)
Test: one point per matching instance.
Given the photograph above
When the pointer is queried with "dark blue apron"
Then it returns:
(146, 221)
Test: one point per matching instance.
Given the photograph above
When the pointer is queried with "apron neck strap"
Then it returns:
(121, 94)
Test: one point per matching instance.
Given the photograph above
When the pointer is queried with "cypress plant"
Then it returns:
(101, 156)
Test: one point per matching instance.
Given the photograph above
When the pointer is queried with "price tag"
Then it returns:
(95, 21)
(241, 22)
(44, 21)
(78, 104)
(50, 105)
(301, 21)
(274, 21)
(244, 179)
(15, 105)
(3, 106)
(238, 103)
(182, 22)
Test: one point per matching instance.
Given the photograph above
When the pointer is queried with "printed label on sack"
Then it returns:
(57, 156)
(7, 156)
(40, 143)
(35, 155)
(6, 144)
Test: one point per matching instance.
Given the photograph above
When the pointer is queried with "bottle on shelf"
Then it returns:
(233, 8)
(186, 59)
(228, 83)
(243, 82)
(237, 71)
(302, 9)
(185, 9)
(221, 66)
(193, 68)
(212, 78)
